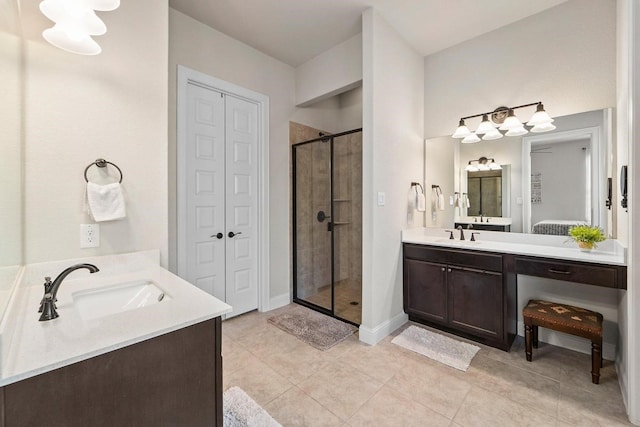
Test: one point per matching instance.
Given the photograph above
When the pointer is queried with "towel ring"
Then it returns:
(101, 163)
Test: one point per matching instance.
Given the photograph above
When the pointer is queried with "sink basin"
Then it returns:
(456, 242)
(105, 301)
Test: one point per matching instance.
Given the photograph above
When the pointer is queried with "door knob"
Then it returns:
(219, 235)
(231, 233)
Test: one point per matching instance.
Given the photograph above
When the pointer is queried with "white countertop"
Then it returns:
(31, 347)
(552, 247)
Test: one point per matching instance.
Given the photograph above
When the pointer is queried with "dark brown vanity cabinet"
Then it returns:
(460, 291)
(174, 379)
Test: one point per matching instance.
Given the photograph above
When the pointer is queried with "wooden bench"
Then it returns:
(568, 319)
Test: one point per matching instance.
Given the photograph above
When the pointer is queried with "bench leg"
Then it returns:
(534, 329)
(527, 341)
(596, 360)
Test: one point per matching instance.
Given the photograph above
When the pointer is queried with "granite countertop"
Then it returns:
(553, 247)
(31, 347)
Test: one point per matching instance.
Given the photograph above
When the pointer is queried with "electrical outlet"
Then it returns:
(89, 235)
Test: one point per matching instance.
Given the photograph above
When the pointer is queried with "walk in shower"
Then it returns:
(327, 224)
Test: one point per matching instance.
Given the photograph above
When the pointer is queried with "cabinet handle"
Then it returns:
(551, 270)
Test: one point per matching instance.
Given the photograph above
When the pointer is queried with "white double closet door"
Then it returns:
(222, 201)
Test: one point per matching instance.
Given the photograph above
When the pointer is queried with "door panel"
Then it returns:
(241, 204)
(426, 290)
(205, 190)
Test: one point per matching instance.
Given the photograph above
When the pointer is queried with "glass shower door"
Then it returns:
(312, 224)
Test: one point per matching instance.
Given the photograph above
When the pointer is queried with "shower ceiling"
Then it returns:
(295, 31)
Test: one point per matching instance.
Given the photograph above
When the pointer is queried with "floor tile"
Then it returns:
(579, 406)
(295, 408)
(390, 408)
(340, 389)
(258, 380)
(485, 408)
(297, 363)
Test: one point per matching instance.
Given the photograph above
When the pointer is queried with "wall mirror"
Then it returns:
(555, 179)
(10, 149)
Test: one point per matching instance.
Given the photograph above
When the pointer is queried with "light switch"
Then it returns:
(381, 198)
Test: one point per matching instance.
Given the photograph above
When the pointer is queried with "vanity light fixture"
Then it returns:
(509, 124)
(75, 23)
(483, 164)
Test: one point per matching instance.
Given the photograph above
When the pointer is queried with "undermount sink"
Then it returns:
(456, 241)
(105, 301)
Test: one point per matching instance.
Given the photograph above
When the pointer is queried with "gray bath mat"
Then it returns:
(240, 410)
(456, 354)
(316, 329)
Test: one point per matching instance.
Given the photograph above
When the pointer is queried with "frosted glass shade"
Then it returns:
(470, 139)
(83, 45)
(511, 122)
(104, 5)
(492, 134)
(73, 16)
(461, 131)
(494, 166)
(517, 131)
(545, 127)
(540, 117)
(471, 168)
(483, 167)
(485, 126)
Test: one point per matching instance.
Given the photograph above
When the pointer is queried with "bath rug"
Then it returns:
(456, 354)
(315, 329)
(240, 410)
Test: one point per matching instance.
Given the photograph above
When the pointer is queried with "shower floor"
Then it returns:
(346, 293)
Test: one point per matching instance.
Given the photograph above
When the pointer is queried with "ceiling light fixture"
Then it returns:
(510, 124)
(75, 23)
(483, 164)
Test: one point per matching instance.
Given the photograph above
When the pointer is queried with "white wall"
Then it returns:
(332, 72)
(628, 120)
(393, 103)
(80, 108)
(439, 168)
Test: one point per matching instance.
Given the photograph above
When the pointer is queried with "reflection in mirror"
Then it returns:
(589, 197)
(564, 175)
(484, 189)
(10, 148)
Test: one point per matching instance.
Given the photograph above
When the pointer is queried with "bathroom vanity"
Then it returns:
(486, 224)
(157, 363)
(470, 288)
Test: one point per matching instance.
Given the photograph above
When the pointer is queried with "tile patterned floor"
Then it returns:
(353, 384)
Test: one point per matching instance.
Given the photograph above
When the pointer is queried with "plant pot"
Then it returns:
(585, 246)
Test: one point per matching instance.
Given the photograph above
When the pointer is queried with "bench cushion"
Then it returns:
(564, 315)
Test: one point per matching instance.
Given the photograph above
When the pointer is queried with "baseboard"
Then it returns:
(277, 302)
(578, 344)
(372, 336)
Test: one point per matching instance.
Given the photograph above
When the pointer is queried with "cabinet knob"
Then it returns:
(442, 268)
(449, 270)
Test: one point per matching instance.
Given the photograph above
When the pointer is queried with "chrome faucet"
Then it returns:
(461, 232)
(48, 302)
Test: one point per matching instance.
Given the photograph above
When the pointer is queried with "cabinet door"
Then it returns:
(475, 301)
(425, 293)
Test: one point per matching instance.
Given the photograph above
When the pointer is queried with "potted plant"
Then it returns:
(587, 236)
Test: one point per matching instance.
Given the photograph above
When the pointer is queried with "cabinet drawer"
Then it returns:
(591, 274)
(472, 259)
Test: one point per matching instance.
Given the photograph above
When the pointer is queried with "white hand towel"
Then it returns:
(421, 202)
(106, 202)
(467, 202)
